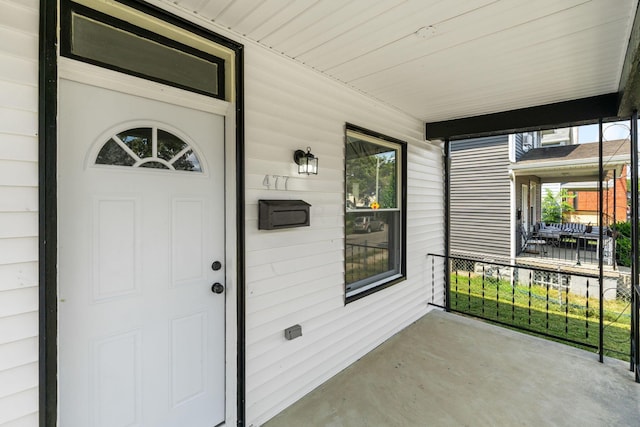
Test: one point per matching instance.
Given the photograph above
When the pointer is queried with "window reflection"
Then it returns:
(372, 212)
(138, 140)
(113, 154)
(142, 147)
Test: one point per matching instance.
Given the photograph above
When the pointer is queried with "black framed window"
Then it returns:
(375, 212)
(99, 39)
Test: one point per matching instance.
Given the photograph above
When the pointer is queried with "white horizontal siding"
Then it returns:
(18, 213)
(18, 353)
(26, 421)
(19, 405)
(480, 196)
(296, 276)
(18, 199)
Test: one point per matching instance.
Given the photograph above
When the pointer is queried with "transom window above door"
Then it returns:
(148, 147)
(135, 46)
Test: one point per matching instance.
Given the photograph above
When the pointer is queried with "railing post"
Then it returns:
(366, 255)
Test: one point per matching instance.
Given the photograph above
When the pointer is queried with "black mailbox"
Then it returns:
(276, 214)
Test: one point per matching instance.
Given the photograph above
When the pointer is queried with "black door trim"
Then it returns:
(47, 216)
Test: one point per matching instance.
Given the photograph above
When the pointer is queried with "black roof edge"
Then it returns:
(549, 116)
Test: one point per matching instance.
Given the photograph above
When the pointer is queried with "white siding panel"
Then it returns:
(18, 121)
(18, 44)
(22, 378)
(19, 301)
(18, 213)
(18, 353)
(296, 276)
(20, 275)
(17, 406)
(18, 199)
(18, 224)
(18, 70)
(26, 421)
(18, 96)
(19, 327)
(18, 250)
(18, 16)
(17, 147)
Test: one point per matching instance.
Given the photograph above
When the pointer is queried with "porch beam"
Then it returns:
(629, 84)
(559, 114)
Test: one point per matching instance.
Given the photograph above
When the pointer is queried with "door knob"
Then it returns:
(217, 288)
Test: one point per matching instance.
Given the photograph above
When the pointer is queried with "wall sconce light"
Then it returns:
(307, 162)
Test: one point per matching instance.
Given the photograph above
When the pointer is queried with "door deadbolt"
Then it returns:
(217, 265)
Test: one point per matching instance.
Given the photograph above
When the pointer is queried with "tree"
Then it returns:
(551, 211)
(566, 202)
(363, 172)
(554, 208)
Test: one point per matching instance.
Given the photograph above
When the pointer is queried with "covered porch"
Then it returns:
(415, 74)
(564, 213)
(444, 370)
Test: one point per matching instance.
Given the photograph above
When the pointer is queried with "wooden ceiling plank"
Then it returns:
(237, 11)
(478, 42)
(352, 15)
(212, 9)
(378, 31)
(454, 29)
(296, 28)
(262, 18)
(536, 61)
(191, 5)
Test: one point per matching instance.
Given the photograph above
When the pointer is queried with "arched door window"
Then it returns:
(148, 147)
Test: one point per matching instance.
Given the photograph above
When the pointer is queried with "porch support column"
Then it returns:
(600, 246)
(635, 288)
(447, 224)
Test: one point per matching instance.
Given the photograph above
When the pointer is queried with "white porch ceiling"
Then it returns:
(444, 59)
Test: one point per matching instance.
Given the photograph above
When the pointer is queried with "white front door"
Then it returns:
(140, 243)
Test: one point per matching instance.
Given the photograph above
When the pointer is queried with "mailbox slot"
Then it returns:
(276, 214)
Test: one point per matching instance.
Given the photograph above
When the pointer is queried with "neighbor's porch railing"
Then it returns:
(570, 247)
(561, 305)
(365, 260)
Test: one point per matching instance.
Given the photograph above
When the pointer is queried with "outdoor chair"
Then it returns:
(532, 244)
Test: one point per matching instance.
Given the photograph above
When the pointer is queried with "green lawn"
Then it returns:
(544, 310)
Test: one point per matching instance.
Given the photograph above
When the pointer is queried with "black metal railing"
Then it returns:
(364, 260)
(558, 304)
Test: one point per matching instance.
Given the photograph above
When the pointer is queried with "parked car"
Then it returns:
(367, 224)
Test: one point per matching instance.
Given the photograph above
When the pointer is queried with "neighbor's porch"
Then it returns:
(446, 369)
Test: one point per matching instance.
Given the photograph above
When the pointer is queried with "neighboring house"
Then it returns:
(585, 199)
(480, 196)
(576, 168)
(488, 207)
(584, 196)
(497, 186)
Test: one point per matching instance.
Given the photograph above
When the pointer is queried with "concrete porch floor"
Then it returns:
(448, 370)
